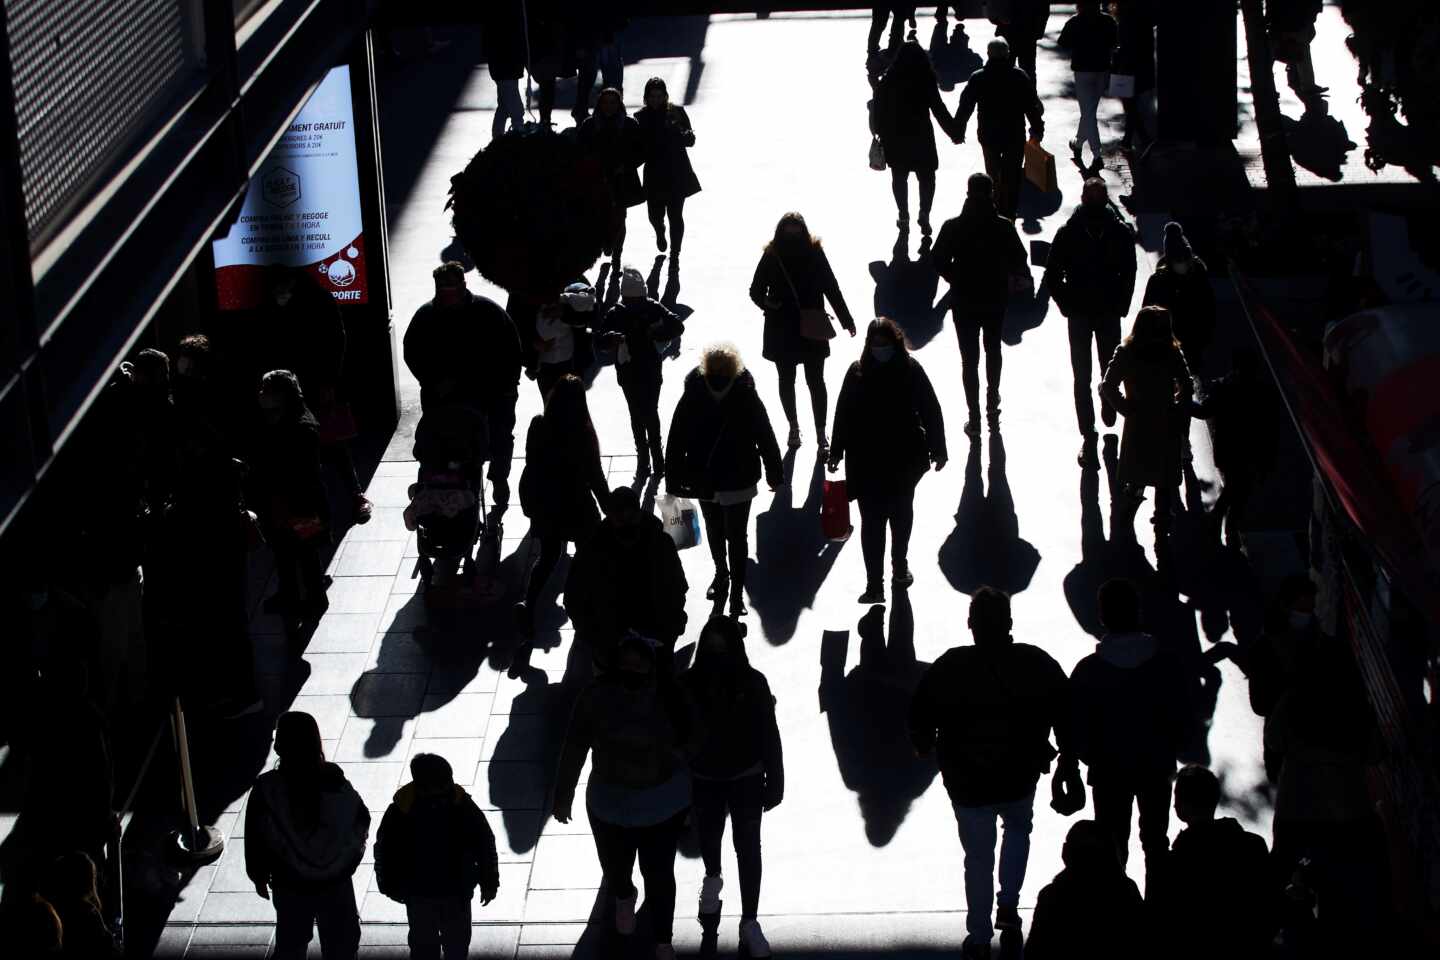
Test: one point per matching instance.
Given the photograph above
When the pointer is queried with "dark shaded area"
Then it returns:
(985, 548)
(1317, 141)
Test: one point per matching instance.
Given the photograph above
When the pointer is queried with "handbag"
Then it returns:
(1040, 167)
(681, 519)
(835, 512)
(814, 321)
(1122, 85)
(877, 154)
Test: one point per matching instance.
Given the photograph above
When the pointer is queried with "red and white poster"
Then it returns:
(302, 208)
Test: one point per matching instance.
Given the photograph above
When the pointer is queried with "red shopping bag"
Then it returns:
(835, 511)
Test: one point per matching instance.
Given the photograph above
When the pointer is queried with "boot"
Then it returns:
(657, 458)
(737, 597)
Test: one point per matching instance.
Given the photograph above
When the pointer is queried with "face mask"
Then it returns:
(719, 386)
(882, 354)
(1300, 620)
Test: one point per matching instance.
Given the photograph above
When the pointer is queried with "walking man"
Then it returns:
(1005, 96)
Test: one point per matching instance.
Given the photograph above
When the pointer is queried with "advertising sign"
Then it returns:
(302, 208)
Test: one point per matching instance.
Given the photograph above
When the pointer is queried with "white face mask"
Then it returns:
(882, 354)
(1300, 620)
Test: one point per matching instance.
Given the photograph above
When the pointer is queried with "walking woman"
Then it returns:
(560, 486)
(1155, 403)
(665, 136)
(720, 437)
(305, 831)
(613, 139)
(636, 731)
(905, 97)
(738, 768)
(793, 280)
(888, 430)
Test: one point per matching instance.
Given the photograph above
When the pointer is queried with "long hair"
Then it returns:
(891, 331)
(619, 100)
(911, 73)
(567, 417)
(777, 242)
(721, 359)
(1153, 329)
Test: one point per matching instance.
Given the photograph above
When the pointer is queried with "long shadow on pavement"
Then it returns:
(985, 548)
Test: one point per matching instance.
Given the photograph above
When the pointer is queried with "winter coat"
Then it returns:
(1155, 404)
(665, 139)
(473, 344)
(285, 472)
(1091, 39)
(306, 337)
(736, 711)
(643, 325)
(888, 426)
(615, 145)
(281, 850)
(1135, 54)
(502, 39)
(1006, 98)
(1079, 909)
(1220, 887)
(1130, 704)
(561, 484)
(1191, 302)
(903, 105)
(435, 845)
(813, 284)
(991, 713)
(1091, 270)
(978, 253)
(719, 445)
(614, 586)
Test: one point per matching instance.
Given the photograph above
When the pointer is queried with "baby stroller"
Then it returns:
(447, 501)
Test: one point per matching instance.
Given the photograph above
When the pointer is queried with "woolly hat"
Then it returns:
(579, 297)
(632, 283)
(1177, 245)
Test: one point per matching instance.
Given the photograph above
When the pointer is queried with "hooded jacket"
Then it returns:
(720, 444)
(1091, 271)
(281, 849)
(1220, 886)
(616, 586)
(737, 717)
(1130, 709)
(1084, 907)
(473, 343)
(435, 844)
(977, 253)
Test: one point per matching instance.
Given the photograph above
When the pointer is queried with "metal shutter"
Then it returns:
(88, 77)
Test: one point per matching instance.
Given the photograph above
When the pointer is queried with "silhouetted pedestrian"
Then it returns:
(1219, 884)
(1089, 903)
(1090, 36)
(464, 349)
(738, 767)
(905, 97)
(434, 847)
(1156, 405)
(613, 139)
(980, 254)
(1005, 96)
(792, 282)
(1241, 438)
(593, 25)
(305, 833)
(1135, 56)
(626, 578)
(896, 14)
(888, 430)
(70, 885)
(502, 36)
(1181, 284)
(290, 497)
(1292, 30)
(1130, 715)
(720, 439)
(559, 328)
(642, 331)
(1022, 26)
(560, 486)
(1091, 277)
(638, 733)
(31, 927)
(988, 710)
(665, 139)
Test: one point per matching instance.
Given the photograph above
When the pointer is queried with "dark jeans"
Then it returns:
(880, 13)
(743, 799)
(644, 403)
(1115, 799)
(1104, 332)
(618, 848)
(500, 420)
(900, 187)
(660, 207)
(815, 380)
(728, 530)
(896, 508)
(330, 906)
(603, 61)
(552, 548)
(437, 922)
(1004, 161)
(970, 325)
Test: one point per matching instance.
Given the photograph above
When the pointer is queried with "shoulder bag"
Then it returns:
(815, 322)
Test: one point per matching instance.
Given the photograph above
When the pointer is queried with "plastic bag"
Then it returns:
(681, 519)
(835, 511)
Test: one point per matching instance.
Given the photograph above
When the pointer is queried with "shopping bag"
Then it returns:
(815, 324)
(877, 154)
(1040, 167)
(835, 511)
(681, 519)
(1122, 85)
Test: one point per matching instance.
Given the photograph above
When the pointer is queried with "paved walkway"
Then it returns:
(863, 852)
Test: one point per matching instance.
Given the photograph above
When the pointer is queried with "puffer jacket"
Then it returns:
(279, 849)
(717, 445)
(436, 844)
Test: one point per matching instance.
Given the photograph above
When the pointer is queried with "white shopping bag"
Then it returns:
(681, 519)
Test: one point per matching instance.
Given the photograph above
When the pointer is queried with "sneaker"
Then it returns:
(874, 593)
(625, 916)
(501, 492)
(972, 427)
(360, 512)
(710, 895)
(793, 441)
(737, 605)
(925, 226)
(1007, 918)
(719, 588)
(658, 470)
(1075, 148)
(1087, 456)
(752, 939)
(903, 579)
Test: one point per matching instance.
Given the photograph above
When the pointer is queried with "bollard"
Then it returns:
(195, 841)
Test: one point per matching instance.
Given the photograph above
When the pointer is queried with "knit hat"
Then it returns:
(632, 283)
(579, 297)
(1177, 245)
